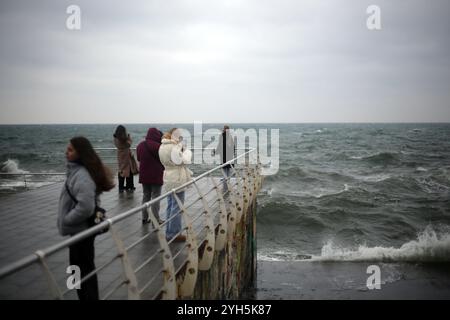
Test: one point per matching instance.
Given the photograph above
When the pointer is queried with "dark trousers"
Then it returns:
(129, 183)
(151, 191)
(82, 254)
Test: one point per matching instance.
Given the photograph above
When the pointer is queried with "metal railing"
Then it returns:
(29, 178)
(221, 208)
(42, 178)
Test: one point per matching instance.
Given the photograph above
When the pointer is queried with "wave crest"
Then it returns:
(11, 166)
(378, 158)
(430, 246)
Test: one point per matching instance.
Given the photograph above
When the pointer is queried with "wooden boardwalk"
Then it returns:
(28, 223)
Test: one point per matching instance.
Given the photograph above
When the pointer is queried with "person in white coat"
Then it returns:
(174, 157)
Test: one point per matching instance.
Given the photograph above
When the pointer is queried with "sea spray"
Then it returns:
(430, 246)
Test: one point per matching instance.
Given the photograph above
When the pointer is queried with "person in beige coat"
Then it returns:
(122, 141)
(174, 157)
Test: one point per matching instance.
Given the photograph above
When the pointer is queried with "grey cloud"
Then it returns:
(287, 60)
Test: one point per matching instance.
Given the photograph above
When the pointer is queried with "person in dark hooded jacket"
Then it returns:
(150, 171)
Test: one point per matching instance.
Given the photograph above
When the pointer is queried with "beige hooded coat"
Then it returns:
(175, 161)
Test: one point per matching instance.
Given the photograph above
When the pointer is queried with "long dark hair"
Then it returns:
(121, 133)
(91, 161)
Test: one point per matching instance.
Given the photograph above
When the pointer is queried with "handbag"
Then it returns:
(133, 164)
(96, 218)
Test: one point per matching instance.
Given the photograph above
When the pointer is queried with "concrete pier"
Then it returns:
(28, 224)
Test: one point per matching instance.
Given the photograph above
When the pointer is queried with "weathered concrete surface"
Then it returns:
(233, 273)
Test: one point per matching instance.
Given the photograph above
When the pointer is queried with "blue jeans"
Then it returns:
(227, 171)
(174, 225)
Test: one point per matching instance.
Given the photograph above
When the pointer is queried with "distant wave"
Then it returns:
(19, 185)
(331, 193)
(317, 193)
(430, 246)
(11, 166)
(373, 178)
(378, 158)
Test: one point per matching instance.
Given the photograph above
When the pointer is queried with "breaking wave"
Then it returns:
(11, 166)
(430, 246)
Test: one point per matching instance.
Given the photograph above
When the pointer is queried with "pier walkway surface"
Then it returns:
(28, 223)
(132, 260)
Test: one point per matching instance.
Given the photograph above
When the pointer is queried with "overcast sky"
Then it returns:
(224, 61)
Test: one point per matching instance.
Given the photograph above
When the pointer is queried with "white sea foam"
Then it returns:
(14, 185)
(374, 178)
(429, 246)
(431, 186)
(11, 166)
(268, 257)
(326, 193)
(281, 255)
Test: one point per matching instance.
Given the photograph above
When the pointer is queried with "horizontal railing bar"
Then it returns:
(110, 293)
(176, 235)
(180, 251)
(134, 244)
(199, 216)
(158, 292)
(192, 203)
(151, 281)
(96, 271)
(148, 260)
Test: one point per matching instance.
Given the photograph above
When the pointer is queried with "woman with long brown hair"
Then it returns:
(122, 141)
(87, 178)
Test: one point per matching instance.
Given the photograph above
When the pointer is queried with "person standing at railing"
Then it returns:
(227, 151)
(87, 178)
(151, 171)
(175, 157)
(123, 141)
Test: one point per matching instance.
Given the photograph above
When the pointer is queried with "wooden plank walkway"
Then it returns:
(28, 223)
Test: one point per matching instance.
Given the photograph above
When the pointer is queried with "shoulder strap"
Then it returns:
(70, 194)
(72, 197)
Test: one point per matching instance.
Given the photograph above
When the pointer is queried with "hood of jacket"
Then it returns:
(154, 135)
(168, 141)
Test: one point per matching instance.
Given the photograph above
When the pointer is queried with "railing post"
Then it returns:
(53, 286)
(208, 252)
(187, 284)
(133, 292)
(170, 284)
(221, 237)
